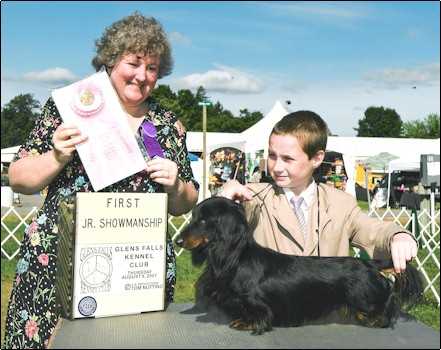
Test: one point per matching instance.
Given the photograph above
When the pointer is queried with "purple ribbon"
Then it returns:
(151, 144)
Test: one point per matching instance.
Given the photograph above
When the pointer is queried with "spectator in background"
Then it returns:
(411, 199)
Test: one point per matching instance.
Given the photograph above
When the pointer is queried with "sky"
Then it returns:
(334, 58)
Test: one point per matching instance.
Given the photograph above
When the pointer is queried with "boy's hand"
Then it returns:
(234, 190)
(403, 248)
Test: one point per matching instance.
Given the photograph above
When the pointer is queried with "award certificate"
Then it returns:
(111, 152)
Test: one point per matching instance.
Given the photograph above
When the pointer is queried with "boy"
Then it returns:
(298, 216)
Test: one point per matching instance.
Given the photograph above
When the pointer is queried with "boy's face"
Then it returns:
(289, 165)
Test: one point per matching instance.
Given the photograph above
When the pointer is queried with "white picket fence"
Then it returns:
(426, 228)
(10, 214)
(427, 232)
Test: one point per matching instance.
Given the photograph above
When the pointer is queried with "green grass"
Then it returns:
(186, 276)
(428, 311)
(363, 205)
(186, 273)
(8, 275)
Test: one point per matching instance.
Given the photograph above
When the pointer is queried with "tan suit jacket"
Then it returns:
(342, 223)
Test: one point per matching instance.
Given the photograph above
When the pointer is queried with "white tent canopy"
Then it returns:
(359, 148)
(257, 136)
(253, 139)
(363, 147)
(404, 164)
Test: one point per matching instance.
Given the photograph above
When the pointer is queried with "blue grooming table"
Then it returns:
(183, 326)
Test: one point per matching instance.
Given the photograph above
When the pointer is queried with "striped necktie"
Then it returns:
(299, 214)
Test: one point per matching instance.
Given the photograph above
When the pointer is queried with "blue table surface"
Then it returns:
(183, 326)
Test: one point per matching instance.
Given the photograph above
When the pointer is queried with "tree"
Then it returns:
(422, 129)
(185, 105)
(379, 122)
(18, 117)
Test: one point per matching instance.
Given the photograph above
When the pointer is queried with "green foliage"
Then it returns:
(379, 122)
(185, 106)
(423, 129)
(17, 119)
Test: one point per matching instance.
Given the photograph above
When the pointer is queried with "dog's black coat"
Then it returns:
(258, 287)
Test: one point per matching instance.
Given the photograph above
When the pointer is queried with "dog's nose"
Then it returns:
(179, 241)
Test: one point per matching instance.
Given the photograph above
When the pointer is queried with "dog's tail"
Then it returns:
(406, 290)
(407, 286)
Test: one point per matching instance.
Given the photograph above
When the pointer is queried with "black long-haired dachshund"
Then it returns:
(258, 287)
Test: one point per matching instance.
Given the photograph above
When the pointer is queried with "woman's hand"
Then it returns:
(165, 172)
(403, 249)
(180, 128)
(182, 196)
(234, 190)
(29, 175)
(65, 138)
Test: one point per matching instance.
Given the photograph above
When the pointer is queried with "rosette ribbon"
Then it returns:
(148, 132)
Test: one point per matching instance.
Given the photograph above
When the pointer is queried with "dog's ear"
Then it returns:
(231, 238)
(232, 225)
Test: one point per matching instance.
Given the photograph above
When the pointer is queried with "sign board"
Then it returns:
(111, 152)
(112, 254)
(430, 169)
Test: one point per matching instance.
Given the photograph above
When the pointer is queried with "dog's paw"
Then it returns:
(256, 328)
(241, 325)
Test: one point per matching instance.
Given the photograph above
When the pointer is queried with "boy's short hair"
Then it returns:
(308, 127)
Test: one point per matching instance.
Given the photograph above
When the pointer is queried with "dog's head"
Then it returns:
(214, 221)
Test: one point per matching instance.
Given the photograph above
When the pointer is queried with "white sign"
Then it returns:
(433, 168)
(120, 253)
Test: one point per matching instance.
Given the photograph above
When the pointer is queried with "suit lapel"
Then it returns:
(286, 220)
(325, 219)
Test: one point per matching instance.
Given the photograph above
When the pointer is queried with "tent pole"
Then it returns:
(366, 181)
(389, 175)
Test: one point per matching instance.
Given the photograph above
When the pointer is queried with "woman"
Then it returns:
(135, 53)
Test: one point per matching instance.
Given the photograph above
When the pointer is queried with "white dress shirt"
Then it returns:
(308, 198)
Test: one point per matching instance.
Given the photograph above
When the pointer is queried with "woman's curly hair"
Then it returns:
(133, 34)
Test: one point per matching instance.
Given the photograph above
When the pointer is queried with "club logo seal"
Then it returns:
(87, 100)
(87, 306)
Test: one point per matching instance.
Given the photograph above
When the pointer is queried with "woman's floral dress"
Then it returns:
(33, 310)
